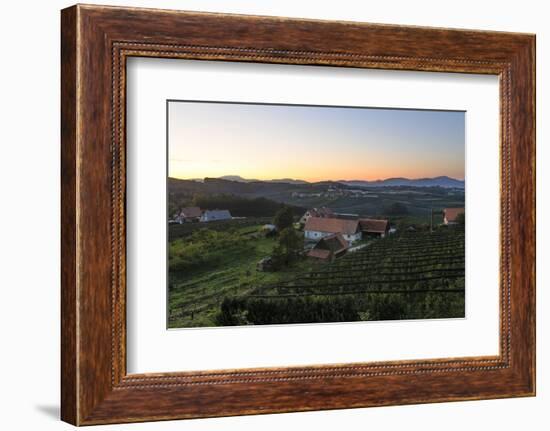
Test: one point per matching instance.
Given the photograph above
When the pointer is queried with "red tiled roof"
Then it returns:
(190, 212)
(332, 225)
(334, 242)
(319, 253)
(452, 213)
(372, 225)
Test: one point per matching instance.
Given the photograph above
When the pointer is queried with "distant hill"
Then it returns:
(228, 182)
(242, 199)
(236, 178)
(442, 181)
(240, 179)
(288, 181)
(257, 198)
(224, 186)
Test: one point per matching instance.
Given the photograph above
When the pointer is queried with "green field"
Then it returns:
(197, 288)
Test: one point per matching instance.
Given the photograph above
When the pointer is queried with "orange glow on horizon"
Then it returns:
(311, 176)
(313, 144)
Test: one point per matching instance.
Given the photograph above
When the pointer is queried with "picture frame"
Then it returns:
(96, 42)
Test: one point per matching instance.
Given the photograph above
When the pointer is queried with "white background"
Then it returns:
(29, 216)
(151, 348)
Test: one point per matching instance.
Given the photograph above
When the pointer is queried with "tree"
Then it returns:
(460, 219)
(288, 248)
(284, 218)
(290, 241)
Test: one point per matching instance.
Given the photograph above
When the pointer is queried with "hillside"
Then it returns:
(443, 181)
(240, 198)
(363, 199)
(225, 186)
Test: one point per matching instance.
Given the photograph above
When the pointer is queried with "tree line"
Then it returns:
(238, 206)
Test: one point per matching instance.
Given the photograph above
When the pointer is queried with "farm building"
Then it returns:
(214, 215)
(373, 227)
(321, 212)
(320, 227)
(329, 248)
(450, 215)
(188, 214)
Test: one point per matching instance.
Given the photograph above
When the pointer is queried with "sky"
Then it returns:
(312, 143)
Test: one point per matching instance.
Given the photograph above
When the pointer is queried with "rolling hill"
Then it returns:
(443, 181)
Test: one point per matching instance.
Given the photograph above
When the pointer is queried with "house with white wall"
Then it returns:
(214, 215)
(320, 227)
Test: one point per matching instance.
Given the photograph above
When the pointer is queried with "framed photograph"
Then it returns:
(264, 215)
(294, 237)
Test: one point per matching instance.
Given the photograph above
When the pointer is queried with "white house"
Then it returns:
(213, 215)
(320, 227)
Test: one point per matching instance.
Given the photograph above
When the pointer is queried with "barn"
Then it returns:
(374, 227)
(329, 248)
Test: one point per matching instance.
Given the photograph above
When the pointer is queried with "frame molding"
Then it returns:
(96, 41)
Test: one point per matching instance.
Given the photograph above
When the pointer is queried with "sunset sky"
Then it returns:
(312, 143)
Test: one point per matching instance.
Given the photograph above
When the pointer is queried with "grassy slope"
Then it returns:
(195, 296)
